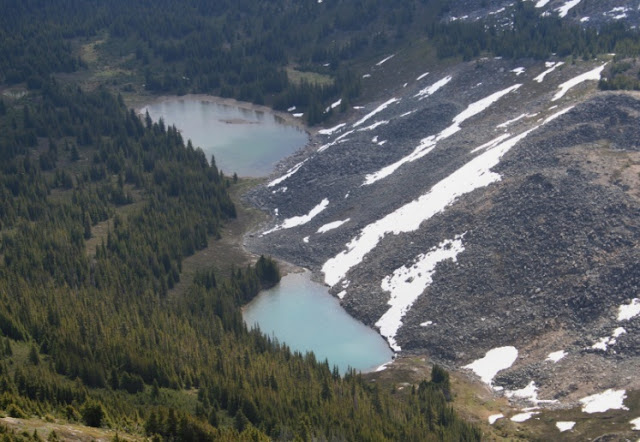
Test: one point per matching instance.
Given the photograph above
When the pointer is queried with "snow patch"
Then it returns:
(518, 71)
(300, 220)
(406, 284)
(430, 90)
(494, 417)
(290, 172)
(305, 239)
(601, 402)
(492, 143)
(542, 3)
(628, 311)
(333, 105)
(521, 417)
(551, 67)
(380, 108)
(342, 294)
(429, 143)
(334, 142)
(495, 360)
(530, 394)
(374, 125)
(300, 115)
(333, 225)
(565, 425)
(556, 356)
(366, 76)
(420, 77)
(635, 424)
(291, 109)
(584, 19)
(562, 10)
(426, 323)
(331, 130)
(385, 60)
(508, 122)
(591, 75)
(283, 189)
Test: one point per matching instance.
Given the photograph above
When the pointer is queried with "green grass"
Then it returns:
(298, 77)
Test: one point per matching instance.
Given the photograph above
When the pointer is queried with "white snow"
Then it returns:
(374, 139)
(283, 189)
(426, 323)
(494, 361)
(406, 284)
(429, 143)
(542, 3)
(518, 71)
(618, 331)
(473, 175)
(333, 225)
(551, 67)
(584, 19)
(565, 425)
(374, 125)
(342, 294)
(630, 310)
(290, 172)
(291, 109)
(494, 417)
(508, 122)
(298, 115)
(556, 356)
(383, 366)
(334, 142)
(366, 76)
(601, 402)
(358, 107)
(492, 143)
(378, 109)
(346, 195)
(529, 393)
(305, 239)
(562, 10)
(385, 59)
(420, 77)
(430, 90)
(382, 143)
(300, 220)
(406, 113)
(591, 75)
(332, 129)
(521, 417)
(636, 424)
(333, 105)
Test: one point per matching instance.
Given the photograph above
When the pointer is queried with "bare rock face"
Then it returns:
(491, 209)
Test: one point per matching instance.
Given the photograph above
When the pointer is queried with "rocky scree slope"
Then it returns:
(480, 207)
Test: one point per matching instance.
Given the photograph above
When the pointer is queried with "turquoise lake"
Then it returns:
(302, 314)
(243, 140)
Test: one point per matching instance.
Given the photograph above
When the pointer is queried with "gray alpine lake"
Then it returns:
(243, 140)
(298, 312)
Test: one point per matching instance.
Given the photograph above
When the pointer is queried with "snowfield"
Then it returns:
(591, 75)
(300, 220)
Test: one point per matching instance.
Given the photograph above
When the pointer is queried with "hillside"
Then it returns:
(488, 205)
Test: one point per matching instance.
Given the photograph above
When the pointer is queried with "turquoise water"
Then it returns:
(302, 314)
(244, 141)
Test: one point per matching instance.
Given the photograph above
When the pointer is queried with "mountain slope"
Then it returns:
(481, 206)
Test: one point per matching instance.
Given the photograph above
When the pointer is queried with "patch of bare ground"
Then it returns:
(64, 431)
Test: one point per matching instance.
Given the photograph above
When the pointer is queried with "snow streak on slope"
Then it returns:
(406, 284)
(473, 175)
(333, 225)
(565, 425)
(562, 10)
(591, 75)
(300, 220)
(430, 90)
(630, 310)
(332, 129)
(552, 67)
(542, 3)
(290, 172)
(556, 356)
(386, 59)
(429, 143)
(378, 109)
